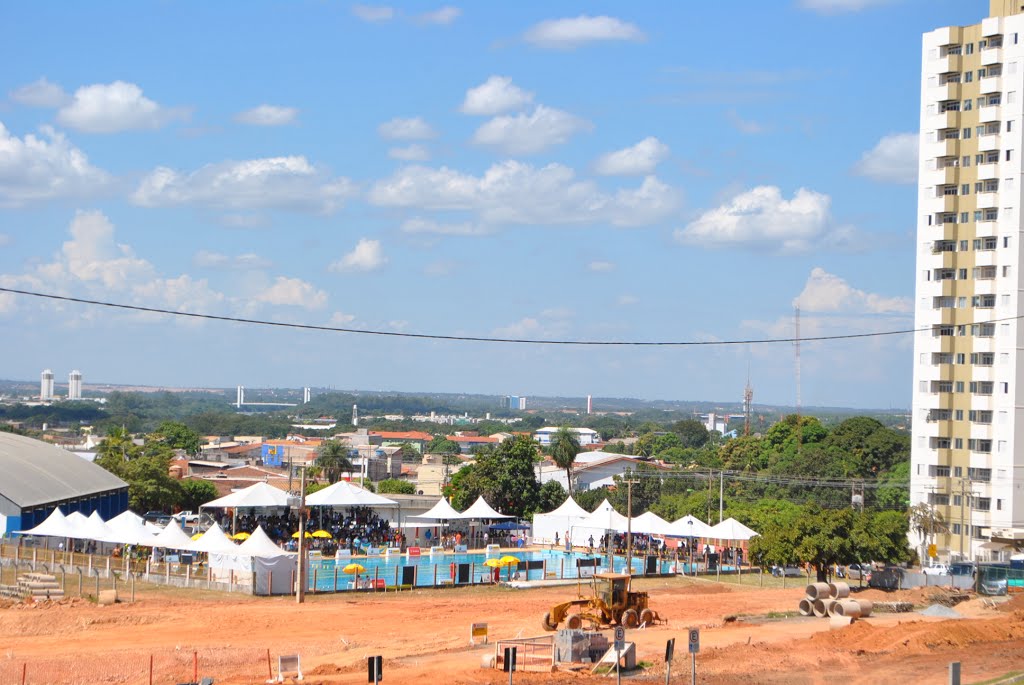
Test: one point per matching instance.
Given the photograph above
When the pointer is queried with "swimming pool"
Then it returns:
(465, 569)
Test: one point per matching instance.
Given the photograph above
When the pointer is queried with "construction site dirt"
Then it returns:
(748, 635)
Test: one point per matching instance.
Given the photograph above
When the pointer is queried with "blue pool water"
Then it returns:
(326, 576)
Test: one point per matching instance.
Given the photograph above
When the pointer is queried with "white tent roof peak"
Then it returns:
(650, 523)
(481, 510)
(691, 526)
(257, 495)
(55, 525)
(571, 509)
(259, 544)
(214, 540)
(442, 511)
(731, 529)
(171, 537)
(345, 494)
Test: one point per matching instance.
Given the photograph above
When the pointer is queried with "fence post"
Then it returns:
(24, 672)
(335, 576)
(195, 666)
(97, 584)
(270, 670)
(80, 581)
(150, 669)
(132, 577)
(188, 575)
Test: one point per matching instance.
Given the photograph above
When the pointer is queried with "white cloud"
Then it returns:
(495, 95)
(373, 13)
(825, 292)
(840, 6)
(243, 262)
(601, 266)
(92, 255)
(762, 217)
(524, 134)
(274, 182)
(406, 129)
(341, 319)
(418, 225)
(267, 115)
(626, 300)
(38, 168)
(566, 34)
(410, 153)
(746, 126)
(892, 160)
(293, 292)
(443, 16)
(366, 256)
(39, 93)
(512, 192)
(551, 323)
(113, 107)
(527, 327)
(639, 160)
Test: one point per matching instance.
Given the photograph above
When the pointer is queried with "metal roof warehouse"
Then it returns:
(36, 477)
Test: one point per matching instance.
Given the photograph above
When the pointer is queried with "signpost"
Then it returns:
(670, 652)
(374, 669)
(620, 644)
(477, 630)
(694, 648)
(509, 664)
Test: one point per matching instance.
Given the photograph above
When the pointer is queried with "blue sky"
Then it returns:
(591, 171)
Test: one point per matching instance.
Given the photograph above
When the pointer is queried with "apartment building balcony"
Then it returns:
(991, 55)
(949, 119)
(986, 199)
(945, 91)
(944, 65)
(985, 258)
(988, 142)
(992, 83)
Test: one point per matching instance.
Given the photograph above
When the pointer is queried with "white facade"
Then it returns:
(591, 470)
(75, 385)
(585, 436)
(968, 384)
(46, 386)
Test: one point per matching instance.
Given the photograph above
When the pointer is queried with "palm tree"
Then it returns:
(564, 448)
(927, 522)
(332, 459)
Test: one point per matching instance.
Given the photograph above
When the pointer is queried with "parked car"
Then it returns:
(993, 586)
(963, 568)
(858, 571)
(154, 516)
(787, 571)
(936, 570)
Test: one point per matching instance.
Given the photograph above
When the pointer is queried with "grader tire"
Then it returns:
(648, 616)
(629, 619)
(547, 624)
(574, 622)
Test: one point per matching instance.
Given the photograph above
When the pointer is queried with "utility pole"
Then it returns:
(629, 525)
(711, 477)
(721, 494)
(964, 482)
(300, 590)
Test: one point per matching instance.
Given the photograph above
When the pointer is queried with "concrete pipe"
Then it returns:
(866, 607)
(830, 607)
(847, 607)
(817, 591)
(838, 590)
(818, 606)
(806, 606)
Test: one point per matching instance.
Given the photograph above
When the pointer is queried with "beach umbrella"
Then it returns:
(241, 536)
(295, 535)
(322, 534)
(493, 563)
(354, 569)
(509, 561)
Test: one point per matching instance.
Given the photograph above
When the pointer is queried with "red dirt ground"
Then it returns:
(424, 634)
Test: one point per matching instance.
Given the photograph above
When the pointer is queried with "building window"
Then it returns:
(964, 218)
(965, 189)
(980, 416)
(989, 243)
(937, 498)
(977, 445)
(981, 475)
(960, 358)
(983, 301)
(958, 471)
(959, 415)
(982, 359)
(957, 500)
(938, 471)
(982, 387)
(956, 526)
(958, 443)
(949, 106)
(959, 386)
(1009, 155)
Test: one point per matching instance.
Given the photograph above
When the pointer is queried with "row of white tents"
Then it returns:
(582, 524)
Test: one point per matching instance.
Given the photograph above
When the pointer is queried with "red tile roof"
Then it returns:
(404, 435)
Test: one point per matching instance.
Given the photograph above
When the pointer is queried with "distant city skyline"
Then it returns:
(579, 172)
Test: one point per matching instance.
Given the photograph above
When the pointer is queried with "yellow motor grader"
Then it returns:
(609, 603)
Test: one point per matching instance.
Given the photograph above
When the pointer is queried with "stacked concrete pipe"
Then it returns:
(833, 599)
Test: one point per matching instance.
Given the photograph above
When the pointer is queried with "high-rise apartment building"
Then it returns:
(968, 406)
(46, 386)
(75, 385)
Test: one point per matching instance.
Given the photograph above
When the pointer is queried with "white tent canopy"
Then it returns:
(257, 495)
(442, 511)
(547, 526)
(171, 537)
(55, 525)
(690, 526)
(259, 544)
(731, 529)
(345, 494)
(605, 518)
(214, 541)
(77, 524)
(480, 510)
(128, 528)
(649, 523)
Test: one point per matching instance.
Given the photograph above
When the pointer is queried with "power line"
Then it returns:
(470, 338)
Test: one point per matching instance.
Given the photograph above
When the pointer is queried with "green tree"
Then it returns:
(195, 493)
(505, 477)
(177, 436)
(692, 432)
(394, 486)
(408, 454)
(551, 496)
(116, 446)
(150, 487)
(646, 490)
(442, 445)
(894, 488)
(927, 522)
(564, 448)
(332, 458)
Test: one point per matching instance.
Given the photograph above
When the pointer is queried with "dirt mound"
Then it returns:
(918, 595)
(917, 637)
(1016, 603)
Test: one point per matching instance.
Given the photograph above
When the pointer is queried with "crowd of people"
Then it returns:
(353, 528)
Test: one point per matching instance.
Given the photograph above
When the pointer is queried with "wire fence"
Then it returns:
(181, 665)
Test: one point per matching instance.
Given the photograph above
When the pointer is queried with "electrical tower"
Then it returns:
(748, 402)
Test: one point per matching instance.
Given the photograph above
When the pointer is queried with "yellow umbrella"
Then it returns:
(241, 536)
(509, 560)
(296, 535)
(322, 534)
(197, 536)
(354, 568)
(493, 563)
